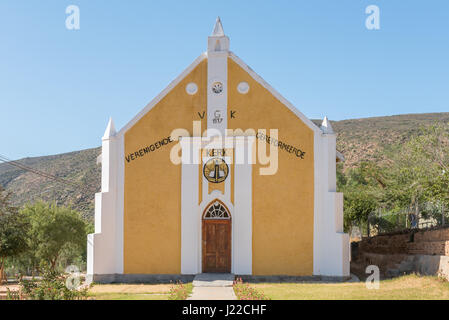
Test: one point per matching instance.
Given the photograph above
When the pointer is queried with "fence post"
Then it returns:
(406, 218)
(442, 214)
(398, 221)
(417, 213)
(368, 226)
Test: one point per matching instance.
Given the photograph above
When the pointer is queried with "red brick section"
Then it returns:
(429, 242)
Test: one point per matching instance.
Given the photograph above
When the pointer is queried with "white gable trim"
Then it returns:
(276, 94)
(161, 95)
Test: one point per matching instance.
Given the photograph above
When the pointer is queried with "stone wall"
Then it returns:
(429, 242)
(420, 251)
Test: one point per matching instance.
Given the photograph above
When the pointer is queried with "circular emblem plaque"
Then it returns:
(192, 88)
(216, 170)
(243, 87)
(217, 87)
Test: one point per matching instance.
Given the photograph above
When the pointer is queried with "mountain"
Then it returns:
(365, 139)
(78, 167)
(358, 139)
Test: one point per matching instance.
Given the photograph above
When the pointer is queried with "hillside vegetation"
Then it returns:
(79, 167)
(358, 140)
(373, 138)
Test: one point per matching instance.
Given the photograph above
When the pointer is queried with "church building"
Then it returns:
(218, 174)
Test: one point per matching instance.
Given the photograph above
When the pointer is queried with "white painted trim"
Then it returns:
(120, 212)
(217, 71)
(102, 245)
(161, 95)
(330, 244)
(241, 210)
(189, 203)
(318, 201)
(242, 254)
(276, 94)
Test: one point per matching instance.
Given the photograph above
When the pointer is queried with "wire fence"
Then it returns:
(388, 220)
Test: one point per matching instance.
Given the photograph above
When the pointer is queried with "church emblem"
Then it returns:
(217, 87)
(216, 170)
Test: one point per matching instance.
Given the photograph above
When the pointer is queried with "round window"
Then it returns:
(192, 88)
(243, 87)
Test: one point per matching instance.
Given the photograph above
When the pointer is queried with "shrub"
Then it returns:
(244, 292)
(179, 291)
(52, 286)
(13, 295)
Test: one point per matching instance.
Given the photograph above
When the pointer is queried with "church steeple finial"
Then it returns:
(218, 29)
(326, 126)
(110, 130)
(218, 41)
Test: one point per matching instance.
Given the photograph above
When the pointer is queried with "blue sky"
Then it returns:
(58, 87)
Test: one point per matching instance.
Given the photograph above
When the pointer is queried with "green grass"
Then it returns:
(410, 287)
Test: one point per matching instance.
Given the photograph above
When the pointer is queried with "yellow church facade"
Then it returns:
(220, 174)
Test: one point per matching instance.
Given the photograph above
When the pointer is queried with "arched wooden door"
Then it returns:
(217, 238)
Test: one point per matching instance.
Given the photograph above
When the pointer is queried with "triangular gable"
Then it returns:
(243, 65)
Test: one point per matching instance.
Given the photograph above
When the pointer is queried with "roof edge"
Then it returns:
(162, 94)
(275, 93)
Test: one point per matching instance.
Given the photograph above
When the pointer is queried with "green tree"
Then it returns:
(413, 173)
(433, 144)
(358, 205)
(13, 229)
(420, 170)
(54, 230)
(363, 188)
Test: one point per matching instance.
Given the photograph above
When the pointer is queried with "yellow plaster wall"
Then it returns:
(152, 207)
(282, 203)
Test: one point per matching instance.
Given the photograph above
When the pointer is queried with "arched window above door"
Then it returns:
(217, 210)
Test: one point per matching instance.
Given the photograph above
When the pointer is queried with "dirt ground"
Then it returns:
(3, 291)
(130, 288)
(115, 288)
(111, 291)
